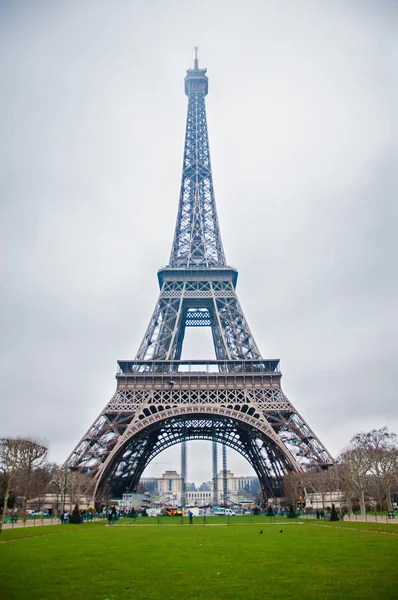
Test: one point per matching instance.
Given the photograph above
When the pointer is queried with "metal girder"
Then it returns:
(127, 465)
(237, 400)
(170, 406)
(197, 238)
(217, 306)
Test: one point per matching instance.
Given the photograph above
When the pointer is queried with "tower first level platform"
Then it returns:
(160, 403)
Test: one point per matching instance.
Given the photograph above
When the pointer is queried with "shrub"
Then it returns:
(291, 514)
(333, 515)
(75, 516)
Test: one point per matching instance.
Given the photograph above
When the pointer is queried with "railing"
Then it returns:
(127, 367)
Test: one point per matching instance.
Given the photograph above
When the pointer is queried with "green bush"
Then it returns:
(333, 515)
(291, 514)
(75, 516)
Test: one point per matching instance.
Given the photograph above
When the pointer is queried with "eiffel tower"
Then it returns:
(161, 400)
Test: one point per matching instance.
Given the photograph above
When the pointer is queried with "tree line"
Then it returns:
(365, 474)
(366, 471)
(26, 474)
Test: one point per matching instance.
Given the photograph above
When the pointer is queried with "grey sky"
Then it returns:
(303, 135)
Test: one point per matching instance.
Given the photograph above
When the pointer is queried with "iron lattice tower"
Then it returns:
(161, 400)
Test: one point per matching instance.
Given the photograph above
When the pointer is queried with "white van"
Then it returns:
(223, 511)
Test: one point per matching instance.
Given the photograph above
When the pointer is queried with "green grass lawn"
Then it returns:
(310, 560)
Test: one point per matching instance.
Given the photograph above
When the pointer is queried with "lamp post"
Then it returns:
(336, 462)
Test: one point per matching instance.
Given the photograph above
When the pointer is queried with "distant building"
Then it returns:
(235, 485)
(206, 486)
(315, 501)
(168, 488)
(136, 501)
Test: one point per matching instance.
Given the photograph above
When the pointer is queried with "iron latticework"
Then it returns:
(161, 400)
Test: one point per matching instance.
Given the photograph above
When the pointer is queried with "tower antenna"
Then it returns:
(196, 64)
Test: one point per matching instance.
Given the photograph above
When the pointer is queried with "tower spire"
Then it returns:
(197, 239)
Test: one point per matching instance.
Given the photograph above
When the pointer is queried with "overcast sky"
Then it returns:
(302, 116)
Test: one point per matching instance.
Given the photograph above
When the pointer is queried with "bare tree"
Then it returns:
(347, 485)
(60, 479)
(40, 485)
(72, 483)
(356, 464)
(379, 451)
(78, 484)
(376, 439)
(293, 487)
(321, 482)
(34, 454)
(12, 454)
(387, 468)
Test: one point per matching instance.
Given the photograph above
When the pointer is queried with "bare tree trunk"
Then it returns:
(362, 502)
(6, 496)
(349, 505)
(388, 496)
(26, 494)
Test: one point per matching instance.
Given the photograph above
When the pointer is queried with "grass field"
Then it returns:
(144, 561)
